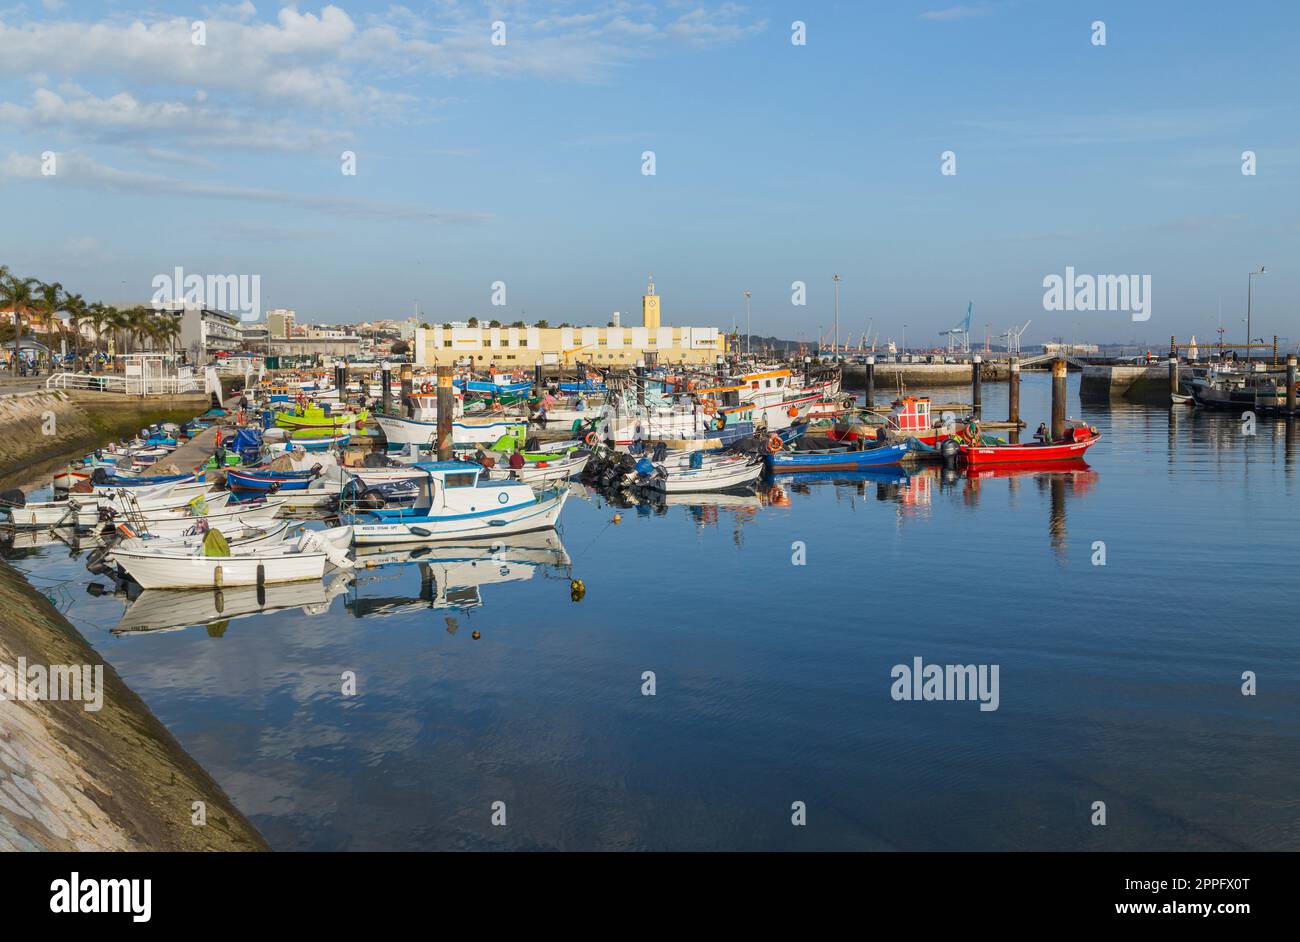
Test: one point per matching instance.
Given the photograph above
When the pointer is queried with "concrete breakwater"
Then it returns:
(889, 375)
(84, 764)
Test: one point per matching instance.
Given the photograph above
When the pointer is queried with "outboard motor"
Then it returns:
(949, 450)
(100, 476)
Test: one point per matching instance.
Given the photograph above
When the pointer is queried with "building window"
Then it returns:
(446, 343)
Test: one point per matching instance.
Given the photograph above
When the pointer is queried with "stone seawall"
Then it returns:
(111, 778)
(36, 427)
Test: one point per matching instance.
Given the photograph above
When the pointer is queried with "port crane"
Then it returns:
(959, 336)
(1013, 336)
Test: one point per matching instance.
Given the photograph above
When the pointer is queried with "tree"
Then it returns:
(473, 322)
(517, 324)
(494, 323)
(401, 348)
(19, 296)
(542, 325)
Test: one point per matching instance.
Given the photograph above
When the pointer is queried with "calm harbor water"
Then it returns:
(1118, 683)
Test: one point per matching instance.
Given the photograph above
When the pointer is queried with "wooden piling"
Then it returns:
(386, 377)
(975, 392)
(1013, 392)
(446, 405)
(1058, 398)
(1290, 383)
(870, 377)
(1173, 374)
(408, 387)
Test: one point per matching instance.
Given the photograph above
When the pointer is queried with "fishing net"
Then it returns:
(214, 544)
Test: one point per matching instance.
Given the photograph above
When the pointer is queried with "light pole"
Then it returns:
(904, 350)
(748, 332)
(836, 349)
(1249, 283)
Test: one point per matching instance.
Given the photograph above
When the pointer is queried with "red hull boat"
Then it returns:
(1078, 440)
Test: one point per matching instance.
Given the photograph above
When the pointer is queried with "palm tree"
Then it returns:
(18, 295)
(74, 305)
(97, 315)
(118, 319)
(49, 301)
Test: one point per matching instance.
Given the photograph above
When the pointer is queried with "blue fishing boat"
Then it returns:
(246, 479)
(837, 459)
(481, 386)
(149, 481)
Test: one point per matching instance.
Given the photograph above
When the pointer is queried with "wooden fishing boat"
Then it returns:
(1079, 438)
(189, 569)
(456, 500)
(264, 480)
(83, 510)
(256, 514)
(466, 430)
(542, 471)
(1179, 399)
(838, 459)
(717, 476)
(316, 418)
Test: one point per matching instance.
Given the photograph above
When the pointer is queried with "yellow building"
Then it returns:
(510, 347)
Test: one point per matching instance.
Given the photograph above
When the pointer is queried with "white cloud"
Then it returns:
(956, 13)
(79, 170)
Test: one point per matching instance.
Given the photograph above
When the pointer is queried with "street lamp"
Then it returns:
(1249, 283)
(748, 333)
(836, 348)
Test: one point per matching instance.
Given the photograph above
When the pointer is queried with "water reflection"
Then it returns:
(154, 610)
(395, 580)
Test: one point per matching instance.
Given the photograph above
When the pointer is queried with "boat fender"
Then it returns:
(792, 411)
(592, 438)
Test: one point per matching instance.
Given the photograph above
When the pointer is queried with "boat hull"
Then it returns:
(1026, 454)
(539, 514)
(790, 461)
(155, 570)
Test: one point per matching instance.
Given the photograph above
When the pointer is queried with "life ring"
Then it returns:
(710, 407)
(792, 412)
(592, 438)
(426, 388)
(774, 443)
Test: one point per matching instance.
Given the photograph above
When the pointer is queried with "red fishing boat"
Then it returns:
(1078, 439)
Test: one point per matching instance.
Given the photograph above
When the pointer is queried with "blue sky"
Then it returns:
(774, 162)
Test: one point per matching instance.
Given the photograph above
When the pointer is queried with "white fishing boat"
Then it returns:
(240, 538)
(466, 430)
(541, 472)
(189, 568)
(256, 514)
(456, 500)
(717, 476)
(84, 510)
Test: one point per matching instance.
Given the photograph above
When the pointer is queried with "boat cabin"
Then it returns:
(910, 415)
(451, 489)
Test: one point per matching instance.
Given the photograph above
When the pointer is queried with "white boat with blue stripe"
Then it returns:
(456, 500)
